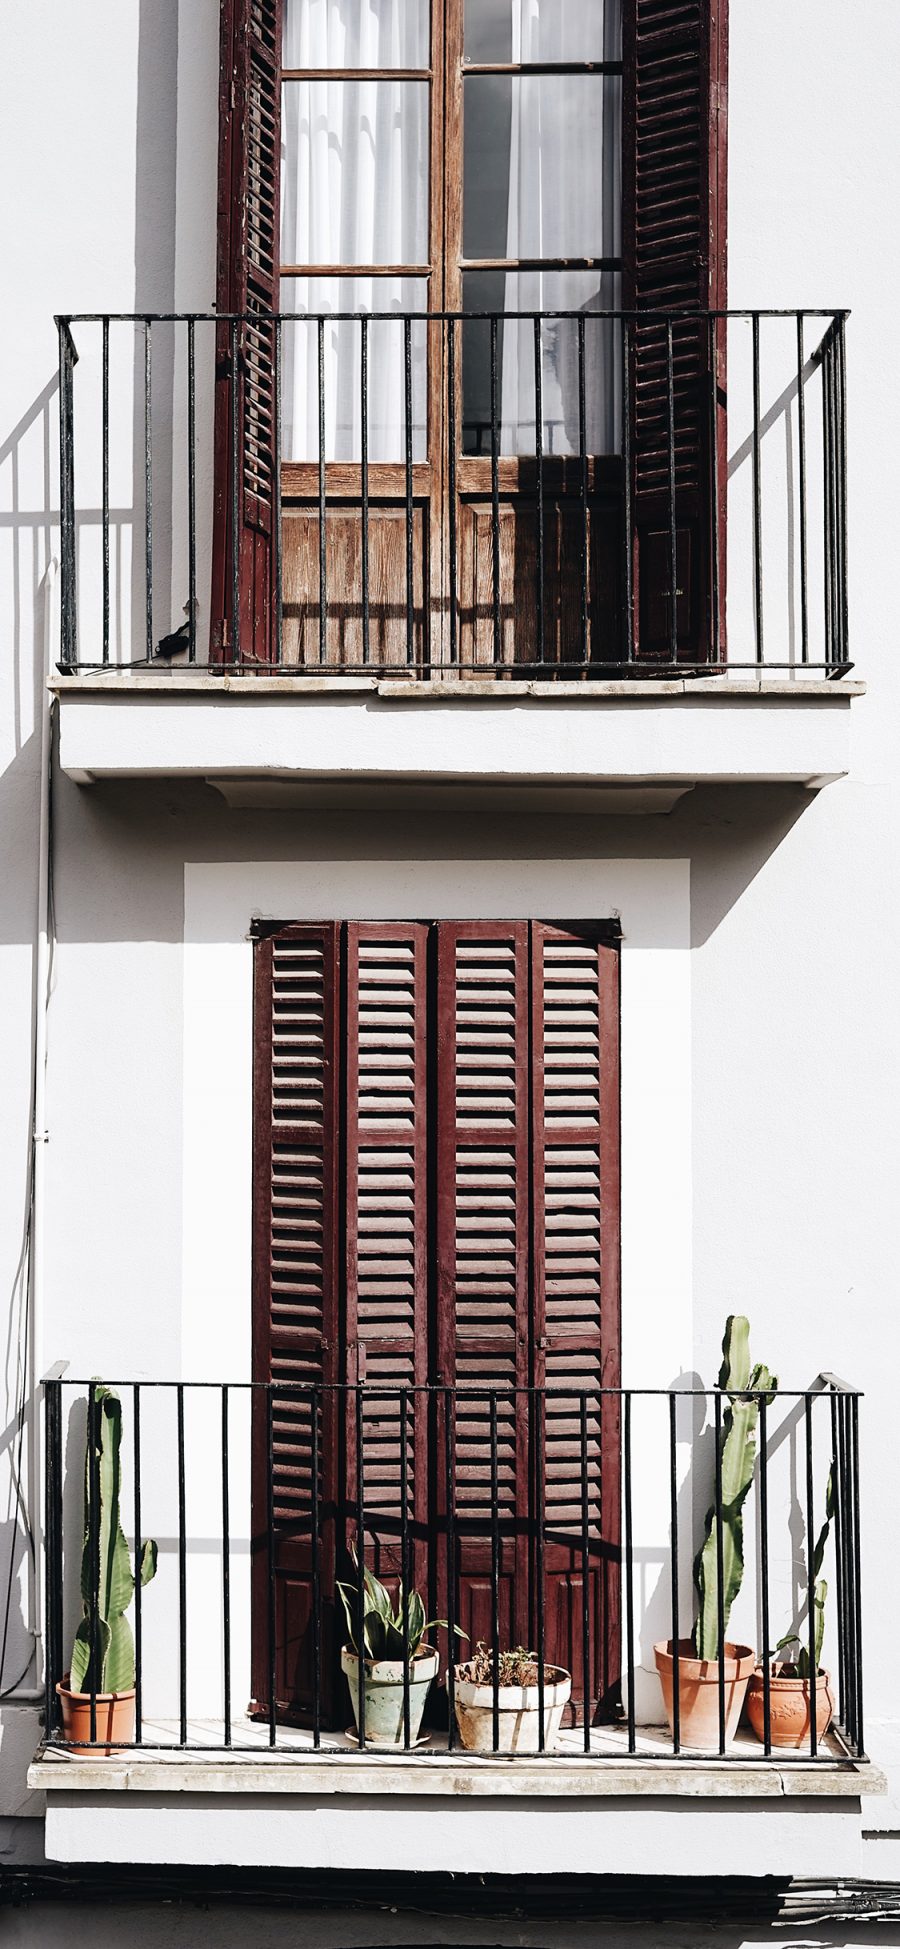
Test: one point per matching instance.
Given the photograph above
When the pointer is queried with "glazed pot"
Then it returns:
(789, 1707)
(383, 1693)
(114, 1720)
(519, 1713)
(698, 1690)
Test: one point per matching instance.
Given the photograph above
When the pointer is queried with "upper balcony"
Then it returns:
(601, 556)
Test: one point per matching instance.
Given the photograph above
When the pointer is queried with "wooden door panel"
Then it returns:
(387, 586)
(581, 563)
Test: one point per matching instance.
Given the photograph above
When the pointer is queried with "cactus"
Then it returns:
(738, 1457)
(111, 1669)
(820, 1592)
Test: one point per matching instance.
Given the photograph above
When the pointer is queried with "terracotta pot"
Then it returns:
(114, 1721)
(698, 1690)
(789, 1703)
(519, 1714)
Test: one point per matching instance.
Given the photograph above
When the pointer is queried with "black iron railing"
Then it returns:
(539, 494)
(251, 1487)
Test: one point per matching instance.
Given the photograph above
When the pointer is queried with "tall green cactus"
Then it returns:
(111, 1669)
(737, 1449)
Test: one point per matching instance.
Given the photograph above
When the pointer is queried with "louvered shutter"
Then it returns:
(387, 1232)
(296, 993)
(674, 252)
(247, 282)
(575, 1216)
(483, 1269)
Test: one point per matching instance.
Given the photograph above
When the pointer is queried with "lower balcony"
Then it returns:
(558, 1520)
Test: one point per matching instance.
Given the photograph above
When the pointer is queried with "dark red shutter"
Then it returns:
(483, 1269)
(247, 283)
(386, 1228)
(575, 1207)
(674, 187)
(295, 1271)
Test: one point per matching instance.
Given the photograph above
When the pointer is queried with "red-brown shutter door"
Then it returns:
(247, 283)
(295, 1333)
(483, 1259)
(575, 1217)
(674, 193)
(387, 1236)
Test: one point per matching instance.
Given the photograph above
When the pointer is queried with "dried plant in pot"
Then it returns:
(393, 1642)
(103, 1651)
(708, 1662)
(518, 1701)
(790, 1687)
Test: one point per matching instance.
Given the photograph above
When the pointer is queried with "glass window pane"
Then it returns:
(543, 30)
(302, 296)
(514, 405)
(354, 172)
(527, 191)
(356, 34)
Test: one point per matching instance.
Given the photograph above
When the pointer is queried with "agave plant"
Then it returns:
(799, 1666)
(389, 1631)
(108, 1664)
(737, 1451)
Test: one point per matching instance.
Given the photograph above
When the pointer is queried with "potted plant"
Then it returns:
(392, 1635)
(699, 1656)
(789, 1681)
(105, 1665)
(518, 1696)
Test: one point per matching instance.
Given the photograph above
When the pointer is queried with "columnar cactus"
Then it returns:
(738, 1458)
(111, 1669)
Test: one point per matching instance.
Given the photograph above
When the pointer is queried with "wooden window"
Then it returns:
(434, 159)
(436, 1201)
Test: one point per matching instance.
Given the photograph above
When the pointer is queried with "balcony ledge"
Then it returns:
(604, 746)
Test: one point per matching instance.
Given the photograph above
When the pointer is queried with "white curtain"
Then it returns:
(354, 175)
(564, 201)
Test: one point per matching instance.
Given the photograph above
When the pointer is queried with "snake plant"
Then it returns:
(724, 1529)
(108, 1666)
(389, 1630)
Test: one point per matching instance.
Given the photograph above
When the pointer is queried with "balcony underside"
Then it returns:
(593, 746)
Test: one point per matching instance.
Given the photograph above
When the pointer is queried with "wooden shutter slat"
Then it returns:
(295, 1305)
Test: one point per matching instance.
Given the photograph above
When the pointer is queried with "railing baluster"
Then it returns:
(495, 1579)
(714, 329)
(801, 446)
(844, 595)
(53, 1531)
(192, 491)
(628, 512)
(404, 1560)
(586, 1663)
(451, 489)
(226, 1572)
(360, 1568)
(408, 429)
(182, 1571)
(364, 477)
(323, 565)
(810, 1577)
(316, 1409)
(276, 498)
(94, 1413)
(271, 1615)
(857, 1576)
(450, 1498)
(764, 1571)
(539, 1408)
(495, 501)
(138, 1546)
(539, 482)
(757, 501)
(68, 603)
(629, 1574)
(583, 494)
(148, 486)
(673, 526)
(673, 1570)
(837, 1480)
(720, 1574)
(105, 486)
(235, 478)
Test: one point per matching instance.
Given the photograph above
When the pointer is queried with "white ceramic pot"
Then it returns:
(519, 1713)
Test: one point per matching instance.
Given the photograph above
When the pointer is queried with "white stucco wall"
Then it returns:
(107, 127)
